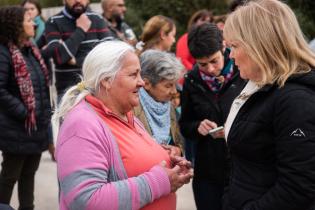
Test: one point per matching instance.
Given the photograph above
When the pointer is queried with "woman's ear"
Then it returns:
(106, 84)
(147, 84)
(162, 35)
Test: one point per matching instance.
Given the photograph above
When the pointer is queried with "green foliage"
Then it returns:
(305, 12)
(139, 11)
(43, 3)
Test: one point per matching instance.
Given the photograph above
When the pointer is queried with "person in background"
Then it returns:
(219, 20)
(24, 106)
(160, 72)
(182, 51)
(158, 33)
(70, 36)
(114, 13)
(208, 92)
(270, 128)
(35, 11)
(105, 157)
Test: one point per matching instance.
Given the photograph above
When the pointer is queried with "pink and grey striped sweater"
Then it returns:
(91, 172)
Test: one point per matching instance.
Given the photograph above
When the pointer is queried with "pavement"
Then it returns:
(46, 189)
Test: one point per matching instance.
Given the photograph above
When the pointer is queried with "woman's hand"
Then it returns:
(172, 150)
(205, 126)
(176, 177)
(219, 134)
(184, 164)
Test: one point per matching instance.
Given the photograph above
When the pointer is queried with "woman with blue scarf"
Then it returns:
(33, 8)
(160, 72)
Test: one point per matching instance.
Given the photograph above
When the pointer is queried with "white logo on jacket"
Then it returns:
(298, 133)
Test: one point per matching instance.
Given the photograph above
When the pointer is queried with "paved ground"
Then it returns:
(46, 190)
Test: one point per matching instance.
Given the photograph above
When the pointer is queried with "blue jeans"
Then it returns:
(208, 196)
(5, 207)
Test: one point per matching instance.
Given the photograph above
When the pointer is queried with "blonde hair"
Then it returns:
(103, 62)
(152, 29)
(270, 34)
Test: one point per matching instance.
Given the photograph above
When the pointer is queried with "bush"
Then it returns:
(139, 11)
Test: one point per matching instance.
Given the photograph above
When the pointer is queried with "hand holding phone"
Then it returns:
(214, 130)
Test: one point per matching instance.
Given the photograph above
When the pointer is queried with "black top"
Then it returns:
(14, 138)
(198, 103)
(272, 146)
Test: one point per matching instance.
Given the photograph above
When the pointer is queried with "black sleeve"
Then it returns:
(294, 127)
(61, 50)
(188, 124)
(9, 103)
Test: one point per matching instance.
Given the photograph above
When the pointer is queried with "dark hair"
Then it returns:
(205, 40)
(36, 3)
(235, 4)
(11, 24)
(200, 14)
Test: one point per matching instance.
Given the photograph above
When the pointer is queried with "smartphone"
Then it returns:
(214, 130)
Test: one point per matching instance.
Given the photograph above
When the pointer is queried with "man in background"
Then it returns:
(114, 13)
(70, 35)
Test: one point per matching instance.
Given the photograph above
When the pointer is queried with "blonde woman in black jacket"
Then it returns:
(270, 129)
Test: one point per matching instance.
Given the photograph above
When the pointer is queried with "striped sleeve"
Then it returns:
(61, 50)
(84, 171)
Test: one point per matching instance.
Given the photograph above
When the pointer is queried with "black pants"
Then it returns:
(20, 168)
(208, 196)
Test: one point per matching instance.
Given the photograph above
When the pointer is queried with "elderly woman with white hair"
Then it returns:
(160, 72)
(105, 158)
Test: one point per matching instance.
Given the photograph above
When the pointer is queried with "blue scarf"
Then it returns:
(158, 116)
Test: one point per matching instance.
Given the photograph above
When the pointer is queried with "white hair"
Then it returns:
(103, 62)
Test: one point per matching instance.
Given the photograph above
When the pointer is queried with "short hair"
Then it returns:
(102, 62)
(157, 66)
(270, 34)
(205, 40)
(11, 24)
(105, 3)
(152, 28)
(200, 14)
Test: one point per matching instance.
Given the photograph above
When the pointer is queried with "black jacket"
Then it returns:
(272, 147)
(13, 136)
(198, 103)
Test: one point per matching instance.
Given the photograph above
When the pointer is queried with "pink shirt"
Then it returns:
(138, 150)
